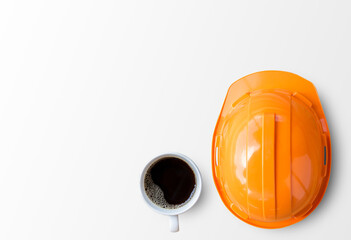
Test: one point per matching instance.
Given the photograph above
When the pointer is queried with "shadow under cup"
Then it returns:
(171, 184)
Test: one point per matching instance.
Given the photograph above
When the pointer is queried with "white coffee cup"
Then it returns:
(173, 213)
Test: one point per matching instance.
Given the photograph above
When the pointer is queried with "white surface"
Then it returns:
(90, 91)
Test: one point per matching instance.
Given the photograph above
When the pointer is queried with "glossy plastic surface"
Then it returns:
(271, 153)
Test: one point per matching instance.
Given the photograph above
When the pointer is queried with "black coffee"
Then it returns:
(170, 182)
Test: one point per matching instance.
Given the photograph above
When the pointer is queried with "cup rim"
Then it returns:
(193, 199)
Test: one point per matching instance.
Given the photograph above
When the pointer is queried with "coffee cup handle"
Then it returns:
(174, 223)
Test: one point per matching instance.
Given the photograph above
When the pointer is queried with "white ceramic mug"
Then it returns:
(173, 213)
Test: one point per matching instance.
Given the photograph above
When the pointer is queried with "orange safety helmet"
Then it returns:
(271, 151)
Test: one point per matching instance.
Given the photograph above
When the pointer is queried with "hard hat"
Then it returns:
(271, 151)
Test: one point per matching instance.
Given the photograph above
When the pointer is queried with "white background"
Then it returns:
(90, 91)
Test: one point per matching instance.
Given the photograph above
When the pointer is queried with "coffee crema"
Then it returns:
(170, 183)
